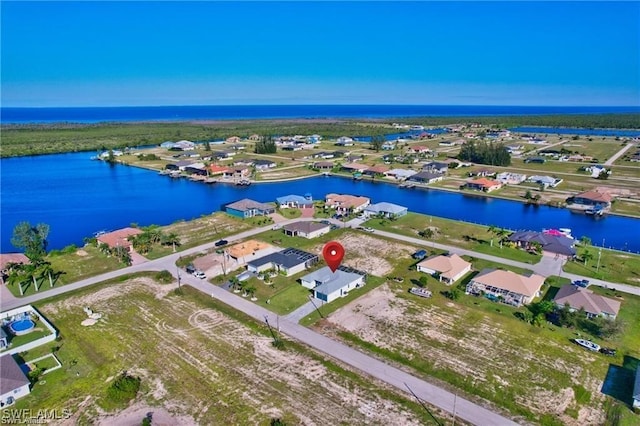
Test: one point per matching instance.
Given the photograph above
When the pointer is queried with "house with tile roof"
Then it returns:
(483, 184)
(506, 286)
(344, 203)
(447, 269)
(592, 199)
(119, 238)
(593, 304)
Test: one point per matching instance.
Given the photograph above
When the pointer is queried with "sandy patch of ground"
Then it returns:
(133, 415)
(369, 254)
(81, 253)
(466, 342)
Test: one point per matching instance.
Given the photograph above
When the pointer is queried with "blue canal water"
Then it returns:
(201, 112)
(77, 197)
(576, 131)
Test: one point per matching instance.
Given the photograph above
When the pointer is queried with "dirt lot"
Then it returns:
(198, 366)
(370, 254)
(486, 356)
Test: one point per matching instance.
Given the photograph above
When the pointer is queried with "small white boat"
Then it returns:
(588, 344)
(423, 292)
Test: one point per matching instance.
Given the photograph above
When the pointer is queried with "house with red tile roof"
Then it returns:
(376, 170)
(215, 169)
(119, 238)
(346, 203)
(483, 184)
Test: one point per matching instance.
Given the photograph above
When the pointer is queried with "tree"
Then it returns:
(527, 195)
(46, 270)
(171, 239)
(17, 275)
(376, 142)
(33, 239)
(502, 234)
(265, 146)
(585, 241)
(586, 256)
(426, 233)
(207, 146)
(493, 230)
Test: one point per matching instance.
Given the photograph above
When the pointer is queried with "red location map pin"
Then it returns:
(333, 252)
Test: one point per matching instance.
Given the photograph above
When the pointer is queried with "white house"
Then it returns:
(329, 286)
(14, 383)
(447, 268)
(636, 390)
(510, 178)
(386, 209)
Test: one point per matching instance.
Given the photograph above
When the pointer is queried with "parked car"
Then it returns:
(366, 228)
(581, 283)
(325, 222)
(221, 243)
(190, 269)
(199, 274)
(420, 254)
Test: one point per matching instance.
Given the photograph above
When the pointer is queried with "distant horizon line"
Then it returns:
(322, 104)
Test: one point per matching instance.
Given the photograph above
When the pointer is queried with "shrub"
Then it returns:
(124, 388)
(164, 277)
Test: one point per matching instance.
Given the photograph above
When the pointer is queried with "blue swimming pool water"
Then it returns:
(22, 326)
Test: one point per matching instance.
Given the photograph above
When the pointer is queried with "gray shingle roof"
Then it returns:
(287, 258)
(11, 376)
(247, 204)
(331, 281)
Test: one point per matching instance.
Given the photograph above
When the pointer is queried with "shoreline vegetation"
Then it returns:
(24, 139)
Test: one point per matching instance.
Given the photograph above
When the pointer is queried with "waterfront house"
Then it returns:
(119, 238)
(448, 269)
(184, 145)
(436, 167)
(376, 170)
(260, 164)
(255, 138)
(215, 169)
(508, 178)
(344, 141)
(593, 304)
(354, 168)
(14, 383)
(388, 145)
(546, 181)
(507, 286)
(314, 138)
(328, 286)
(388, 210)
(483, 184)
(196, 169)
(238, 147)
(167, 145)
(233, 140)
(399, 174)
(289, 261)
(591, 199)
(353, 158)
(426, 177)
(323, 165)
(345, 204)
(244, 162)
(324, 155)
(237, 172)
(248, 208)
(179, 165)
(295, 201)
(306, 229)
(557, 244)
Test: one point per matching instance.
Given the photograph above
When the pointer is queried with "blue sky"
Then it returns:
(218, 53)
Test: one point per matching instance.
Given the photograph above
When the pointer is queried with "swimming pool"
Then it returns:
(22, 326)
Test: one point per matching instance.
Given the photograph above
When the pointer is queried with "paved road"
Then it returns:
(432, 394)
(619, 154)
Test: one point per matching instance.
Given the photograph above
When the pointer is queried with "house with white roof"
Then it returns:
(386, 209)
(328, 286)
(508, 178)
(295, 201)
(399, 174)
(448, 269)
(547, 181)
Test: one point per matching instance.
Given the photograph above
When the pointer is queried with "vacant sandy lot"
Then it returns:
(456, 339)
(199, 366)
(370, 254)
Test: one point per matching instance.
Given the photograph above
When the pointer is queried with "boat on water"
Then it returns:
(243, 182)
(588, 344)
(596, 210)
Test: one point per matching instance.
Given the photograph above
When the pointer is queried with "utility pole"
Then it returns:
(178, 271)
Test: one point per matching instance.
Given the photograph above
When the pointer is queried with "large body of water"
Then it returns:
(77, 197)
(576, 131)
(178, 113)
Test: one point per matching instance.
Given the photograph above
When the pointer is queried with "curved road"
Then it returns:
(460, 407)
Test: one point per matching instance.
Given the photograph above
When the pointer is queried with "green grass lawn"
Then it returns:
(290, 213)
(459, 234)
(285, 294)
(614, 266)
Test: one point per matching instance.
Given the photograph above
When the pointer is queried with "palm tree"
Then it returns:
(586, 256)
(502, 234)
(17, 275)
(46, 269)
(493, 230)
(171, 239)
(585, 241)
